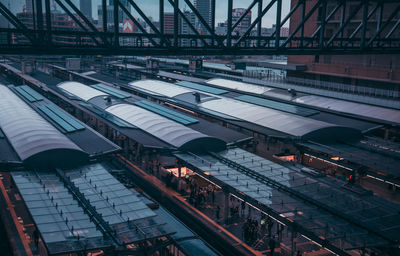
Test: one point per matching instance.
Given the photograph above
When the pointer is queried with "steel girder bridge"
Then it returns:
(316, 27)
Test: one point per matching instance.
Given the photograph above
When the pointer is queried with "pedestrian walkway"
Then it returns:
(209, 200)
(248, 224)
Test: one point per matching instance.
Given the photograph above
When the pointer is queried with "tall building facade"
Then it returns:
(86, 8)
(3, 24)
(184, 27)
(28, 6)
(381, 71)
(204, 8)
(244, 24)
(221, 28)
(169, 23)
(59, 21)
(110, 12)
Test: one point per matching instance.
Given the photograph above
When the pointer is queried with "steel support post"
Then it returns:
(379, 19)
(116, 24)
(229, 25)
(259, 25)
(303, 12)
(39, 19)
(323, 23)
(48, 22)
(364, 24)
(104, 14)
(161, 20)
(342, 19)
(213, 21)
(278, 23)
(226, 206)
(176, 22)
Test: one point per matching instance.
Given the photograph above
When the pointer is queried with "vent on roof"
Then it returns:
(67, 123)
(28, 93)
(112, 91)
(170, 114)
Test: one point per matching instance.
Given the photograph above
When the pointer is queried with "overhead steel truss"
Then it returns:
(316, 27)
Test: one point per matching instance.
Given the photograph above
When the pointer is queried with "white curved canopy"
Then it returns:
(239, 86)
(27, 131)
(391, 115)
(161, 88)
(266, 117)
(80, 90)
(160, 127)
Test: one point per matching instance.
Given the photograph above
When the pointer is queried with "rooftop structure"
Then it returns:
(277, 120)
(364, 118)
(368, 111)
(86, 208)
(164, 124)
(52, 136)
(318, 207)
(318, 19)
(333, 214)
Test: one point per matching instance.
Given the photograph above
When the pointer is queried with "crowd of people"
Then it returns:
(250, 231)
(201, 195)
(253, 230)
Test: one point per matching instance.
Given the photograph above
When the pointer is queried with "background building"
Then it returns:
(110, 12)
(59, 21)
(28, 5)
(284, 32)
(185, 29)
(169, 23)
(221, 28)
(381, 71)
(204, 8)
(244, 24)
(85, 7)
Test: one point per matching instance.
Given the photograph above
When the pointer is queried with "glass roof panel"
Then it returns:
(310, 216)
(58, 220)
(95, 181)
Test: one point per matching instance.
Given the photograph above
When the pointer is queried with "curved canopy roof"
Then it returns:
(80, 90)
(390, 115)
(239, 86)
(31, 136)
(273, 119)
(166, 130)
(343, 106)
(161, 88)
(293, 125)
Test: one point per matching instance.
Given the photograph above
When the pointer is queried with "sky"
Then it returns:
(151, 7)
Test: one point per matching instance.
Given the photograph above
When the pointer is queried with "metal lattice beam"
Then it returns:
(314, 29)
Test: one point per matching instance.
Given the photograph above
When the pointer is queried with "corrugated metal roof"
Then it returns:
(27, 131)
(160, 88)
(239, 86)
(287, 123)
(277, 120)
(359, 109)
(80, 90)
(166, 130)
(344, 106)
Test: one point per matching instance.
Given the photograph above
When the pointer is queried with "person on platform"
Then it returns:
(272, 245)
